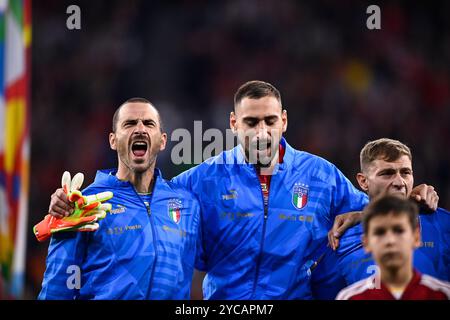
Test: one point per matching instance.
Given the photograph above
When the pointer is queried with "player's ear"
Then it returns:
(362, 181)
(284, 119)
(365, 242)
(112, 141)
(233, 122)
(417, 237)
(163, 141)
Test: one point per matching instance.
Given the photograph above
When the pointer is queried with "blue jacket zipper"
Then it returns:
(266, 210)
(149, 215)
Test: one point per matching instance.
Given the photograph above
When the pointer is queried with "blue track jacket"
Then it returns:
(253, 251)
(137, 253)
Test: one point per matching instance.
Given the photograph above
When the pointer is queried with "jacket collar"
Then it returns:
(288, 158)
(107, 177)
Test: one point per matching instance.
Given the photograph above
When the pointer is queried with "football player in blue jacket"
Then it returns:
(266, 207)
(146, 246)
(386, 168)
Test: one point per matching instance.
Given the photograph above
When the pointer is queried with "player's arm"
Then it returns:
(197, 283)
(70, 210)
(425, 195)
(201, 266)
(60, 206)
(326, 278)
(341, 223)
(63, 274)
(63, 202)
(191, 181)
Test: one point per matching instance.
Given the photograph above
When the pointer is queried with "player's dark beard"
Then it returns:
(266, 160)
(263, 164)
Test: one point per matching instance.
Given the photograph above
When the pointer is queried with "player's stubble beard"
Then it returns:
(253, 156)
(124, 154)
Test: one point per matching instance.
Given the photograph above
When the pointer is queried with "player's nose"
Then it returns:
(398, 180)
(262, 131)
(140, 127)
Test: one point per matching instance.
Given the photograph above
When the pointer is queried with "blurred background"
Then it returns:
(341, 83)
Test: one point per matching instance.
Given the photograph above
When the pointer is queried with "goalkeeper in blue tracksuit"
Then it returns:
(266, 208)
(386, 168)
(257, 246)
(145, 247)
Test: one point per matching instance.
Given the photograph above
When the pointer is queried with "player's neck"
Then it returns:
(397, 279)
(267, 171)
(142, 181)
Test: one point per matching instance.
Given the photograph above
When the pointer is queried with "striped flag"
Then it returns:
(15, 40)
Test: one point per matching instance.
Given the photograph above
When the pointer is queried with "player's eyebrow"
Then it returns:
(387, 170)
(134, 121)
(267, 118)
(393, 170)
(271, 118)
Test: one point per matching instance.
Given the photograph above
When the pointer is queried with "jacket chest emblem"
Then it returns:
(300, 195)
(174, 209)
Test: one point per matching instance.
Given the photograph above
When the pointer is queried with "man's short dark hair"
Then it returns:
(131, 100)
(255, 90)
(388, 204)
(382, 149)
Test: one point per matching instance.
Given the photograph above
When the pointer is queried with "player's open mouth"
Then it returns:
(261, 146)
(139, 148)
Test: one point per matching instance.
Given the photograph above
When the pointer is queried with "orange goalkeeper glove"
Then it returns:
(87, 212)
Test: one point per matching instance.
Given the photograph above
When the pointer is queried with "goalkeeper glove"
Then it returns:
(87, 212)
